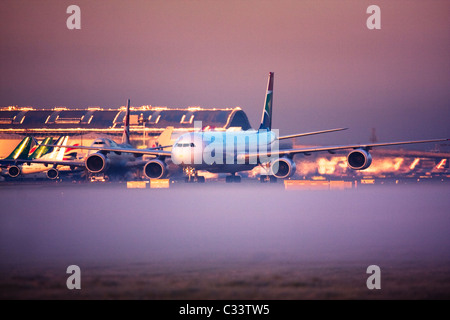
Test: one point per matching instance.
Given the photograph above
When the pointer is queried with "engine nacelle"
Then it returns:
(155, 169)
(14, 171)
(97, 162)
(52, 173)
(359, 159)
(283, 168)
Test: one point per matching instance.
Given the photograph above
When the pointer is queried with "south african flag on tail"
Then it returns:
(266, 119)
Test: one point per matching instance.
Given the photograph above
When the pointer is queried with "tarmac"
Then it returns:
(224, 241)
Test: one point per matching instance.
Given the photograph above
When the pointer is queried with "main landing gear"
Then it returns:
(192, 176)
(233, 178)
(98, 177)
(265, 178)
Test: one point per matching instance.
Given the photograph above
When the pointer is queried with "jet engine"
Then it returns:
(14, 171)
(155, 169)
(52, 173)
(359, 159)
(283, 168)
(97, 162)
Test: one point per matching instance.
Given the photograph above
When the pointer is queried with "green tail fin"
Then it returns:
(22, 150)
(41, 150)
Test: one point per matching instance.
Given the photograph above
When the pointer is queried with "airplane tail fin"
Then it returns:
(165, 138)
(53, 152)
(71, 153)
(41, 150)
(61, 151)
(22, 150)
(266, 119)
(126, 125)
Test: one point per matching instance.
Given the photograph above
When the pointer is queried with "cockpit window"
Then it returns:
(192, 145)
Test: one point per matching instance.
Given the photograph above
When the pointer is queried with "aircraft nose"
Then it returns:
(179, 156)
(182, 156)
(176, 157)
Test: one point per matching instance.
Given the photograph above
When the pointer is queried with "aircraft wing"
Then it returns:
(151, 151)
(70, 163)
(310, 133)
(76, 163)
(415, 154)
(7, 162)
(332, 149)
(137, 163)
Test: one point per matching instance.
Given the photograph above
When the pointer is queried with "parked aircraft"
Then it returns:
(102, 158)
(41, 153)
(23, 152)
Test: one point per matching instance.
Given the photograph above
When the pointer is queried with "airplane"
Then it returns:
(41, 153)
(233, 152)
(102, 162)
(102, 157)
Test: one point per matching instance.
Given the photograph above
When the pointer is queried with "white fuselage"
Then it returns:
(224, 151)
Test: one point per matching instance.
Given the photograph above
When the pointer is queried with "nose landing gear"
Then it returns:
(192, 176)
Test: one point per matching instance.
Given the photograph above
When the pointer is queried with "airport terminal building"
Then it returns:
(146, 123)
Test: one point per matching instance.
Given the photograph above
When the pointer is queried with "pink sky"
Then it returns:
(330, 70)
